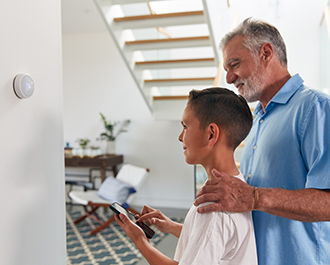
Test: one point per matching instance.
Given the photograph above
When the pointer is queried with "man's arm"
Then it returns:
(233, 195)
(306, 205)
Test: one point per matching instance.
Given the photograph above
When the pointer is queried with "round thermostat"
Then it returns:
(23, 86)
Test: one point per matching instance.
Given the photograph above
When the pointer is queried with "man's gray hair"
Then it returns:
(256, 33)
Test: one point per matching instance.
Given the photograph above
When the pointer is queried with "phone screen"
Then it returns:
(117, 208)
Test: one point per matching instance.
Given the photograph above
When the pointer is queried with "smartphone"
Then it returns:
(117, 208)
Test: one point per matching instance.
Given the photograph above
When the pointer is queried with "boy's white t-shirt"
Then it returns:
(217, 238)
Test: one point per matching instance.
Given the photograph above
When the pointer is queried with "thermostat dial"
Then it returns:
(23, 86)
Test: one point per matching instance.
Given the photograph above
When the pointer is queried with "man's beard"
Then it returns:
(253, 86)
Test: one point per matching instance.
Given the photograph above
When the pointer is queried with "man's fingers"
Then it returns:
(212, 186)
(217, 174)
(207, 188)
(215, 207)
(206, 197)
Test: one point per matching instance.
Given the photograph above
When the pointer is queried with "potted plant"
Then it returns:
(112, 130)
(83, 143)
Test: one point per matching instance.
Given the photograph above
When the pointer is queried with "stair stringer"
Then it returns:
(108, 13)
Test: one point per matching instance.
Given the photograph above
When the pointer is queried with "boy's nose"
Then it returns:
(180, 137)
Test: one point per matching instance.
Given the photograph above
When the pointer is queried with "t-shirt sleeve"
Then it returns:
(212, 236)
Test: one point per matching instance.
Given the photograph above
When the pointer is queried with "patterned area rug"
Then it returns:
(110, 246)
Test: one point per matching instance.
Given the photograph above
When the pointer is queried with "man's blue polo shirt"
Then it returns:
(289, 147)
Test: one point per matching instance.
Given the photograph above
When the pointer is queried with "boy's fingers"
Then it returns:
(146, 209)
(116, 217)
(155, 221)
(121, 219)
(118, 220)
(124, 218)
(148, 216)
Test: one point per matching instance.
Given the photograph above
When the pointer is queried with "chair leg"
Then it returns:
(102, 226)
(87, 214)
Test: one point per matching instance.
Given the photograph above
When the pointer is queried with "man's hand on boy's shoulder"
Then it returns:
(229, 194)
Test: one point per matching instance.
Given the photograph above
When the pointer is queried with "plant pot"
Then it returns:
(110, 147)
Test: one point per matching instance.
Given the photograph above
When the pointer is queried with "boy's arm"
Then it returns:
(153, 255)
(161, 221)
(135, 233)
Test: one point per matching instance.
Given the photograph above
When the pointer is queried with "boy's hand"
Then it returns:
(159, 220)
(229, 194)
(134, 232)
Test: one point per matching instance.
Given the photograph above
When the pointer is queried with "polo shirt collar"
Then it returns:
(284, 94)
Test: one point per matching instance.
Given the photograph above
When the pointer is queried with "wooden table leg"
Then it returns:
(115, 171)
(103, 174)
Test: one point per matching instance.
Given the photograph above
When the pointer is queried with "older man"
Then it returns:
(286, 159)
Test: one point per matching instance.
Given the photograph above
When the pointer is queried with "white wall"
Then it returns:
(96, 80)
(32, 223)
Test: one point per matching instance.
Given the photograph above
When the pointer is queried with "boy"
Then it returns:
(214, 122)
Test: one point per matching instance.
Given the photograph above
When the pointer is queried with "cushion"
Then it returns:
(114, 190)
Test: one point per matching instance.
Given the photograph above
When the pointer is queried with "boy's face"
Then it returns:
(193, 138)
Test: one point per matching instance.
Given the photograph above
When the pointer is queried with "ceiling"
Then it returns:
(80, 16)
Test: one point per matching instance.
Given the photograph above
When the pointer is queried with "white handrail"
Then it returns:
(326, 15)
(218, 77)
(160, 29)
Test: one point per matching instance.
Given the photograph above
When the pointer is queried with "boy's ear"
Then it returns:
(213, 134)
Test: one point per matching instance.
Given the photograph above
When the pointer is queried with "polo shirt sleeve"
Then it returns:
(212, 235)
(316, 144)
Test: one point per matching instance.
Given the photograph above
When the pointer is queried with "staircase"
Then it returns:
(168, 51)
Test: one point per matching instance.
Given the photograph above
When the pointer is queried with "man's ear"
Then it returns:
(213, 134)
(266, 53)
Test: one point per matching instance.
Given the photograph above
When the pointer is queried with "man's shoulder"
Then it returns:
(305, 99)
(306, 93)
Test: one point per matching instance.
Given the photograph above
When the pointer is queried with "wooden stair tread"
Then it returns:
(179, 79)
(157, 16)
(176, 61)
(167, 40)
(121, 28)
(121, 2)
(170, 97)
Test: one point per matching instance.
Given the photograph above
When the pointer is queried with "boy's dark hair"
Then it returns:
(224, 108)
